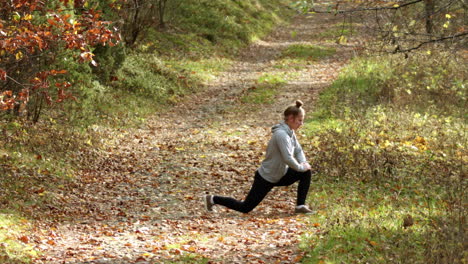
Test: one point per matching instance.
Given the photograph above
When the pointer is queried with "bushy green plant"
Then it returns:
(109, 60)
(429, 79)
(148, 76)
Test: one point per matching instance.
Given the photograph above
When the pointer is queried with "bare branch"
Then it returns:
(368, 9)
(430, 41)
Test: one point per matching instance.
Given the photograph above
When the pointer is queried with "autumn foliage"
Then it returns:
(34, 34)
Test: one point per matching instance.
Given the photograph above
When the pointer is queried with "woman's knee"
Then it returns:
(246, 209)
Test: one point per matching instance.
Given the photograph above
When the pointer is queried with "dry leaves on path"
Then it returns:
(140, 201)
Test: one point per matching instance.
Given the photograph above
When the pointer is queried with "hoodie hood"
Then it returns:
(282, 126)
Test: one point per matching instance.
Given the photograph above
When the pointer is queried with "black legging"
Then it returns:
(261, 187)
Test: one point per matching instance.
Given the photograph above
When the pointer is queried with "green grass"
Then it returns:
(221, 27)
(261, 94)
(202, 70)
(363, 223)
(297, 56)
(265, 90)
(358, 87)
(307, 52)
(342, 29)
(383, 154)
(15, 245)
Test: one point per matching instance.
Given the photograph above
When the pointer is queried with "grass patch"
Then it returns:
(15, 246)
(367, 222)
(265, 90)
(206, 28)
(299, 55)
(386, 155)
(261, 94)
(342, 29)
(307, 52)
(202, 70)
(189, 258)
(358, 87)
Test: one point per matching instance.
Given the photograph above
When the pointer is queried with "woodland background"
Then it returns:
(387, 136)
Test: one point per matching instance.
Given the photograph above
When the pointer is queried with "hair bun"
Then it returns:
(299, 103)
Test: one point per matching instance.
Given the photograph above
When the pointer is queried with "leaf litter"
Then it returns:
(139, 198)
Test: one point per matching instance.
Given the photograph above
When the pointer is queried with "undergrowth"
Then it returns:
(206, 28)
(388, 139)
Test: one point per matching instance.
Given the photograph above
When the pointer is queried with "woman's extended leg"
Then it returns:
(259, 190)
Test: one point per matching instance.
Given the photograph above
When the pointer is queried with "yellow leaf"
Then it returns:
(342, 40)
(420, 140)
(373, 243)
(28, 17)
(448, 16)
(396, 5)
(19, 55)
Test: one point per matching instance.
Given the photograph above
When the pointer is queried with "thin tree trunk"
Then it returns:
(161, 11)
(429, 12)
(135, 24)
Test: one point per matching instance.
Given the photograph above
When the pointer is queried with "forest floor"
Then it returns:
(140, 198)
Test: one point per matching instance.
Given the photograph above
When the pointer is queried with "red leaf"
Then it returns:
(3, 75)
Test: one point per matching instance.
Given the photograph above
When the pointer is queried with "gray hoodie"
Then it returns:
(283, 151)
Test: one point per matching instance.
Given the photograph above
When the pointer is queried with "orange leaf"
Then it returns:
(24, 239)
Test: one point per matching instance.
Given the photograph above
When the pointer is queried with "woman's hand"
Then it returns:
(306, 166)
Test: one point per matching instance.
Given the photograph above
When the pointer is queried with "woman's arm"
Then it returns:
(286, 149)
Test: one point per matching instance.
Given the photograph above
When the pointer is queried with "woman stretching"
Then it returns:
(283, 165)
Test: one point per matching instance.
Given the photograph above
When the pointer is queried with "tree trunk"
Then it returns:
(161, 11)
(429, 12)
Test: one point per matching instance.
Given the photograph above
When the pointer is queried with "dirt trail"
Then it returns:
(141, 202)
